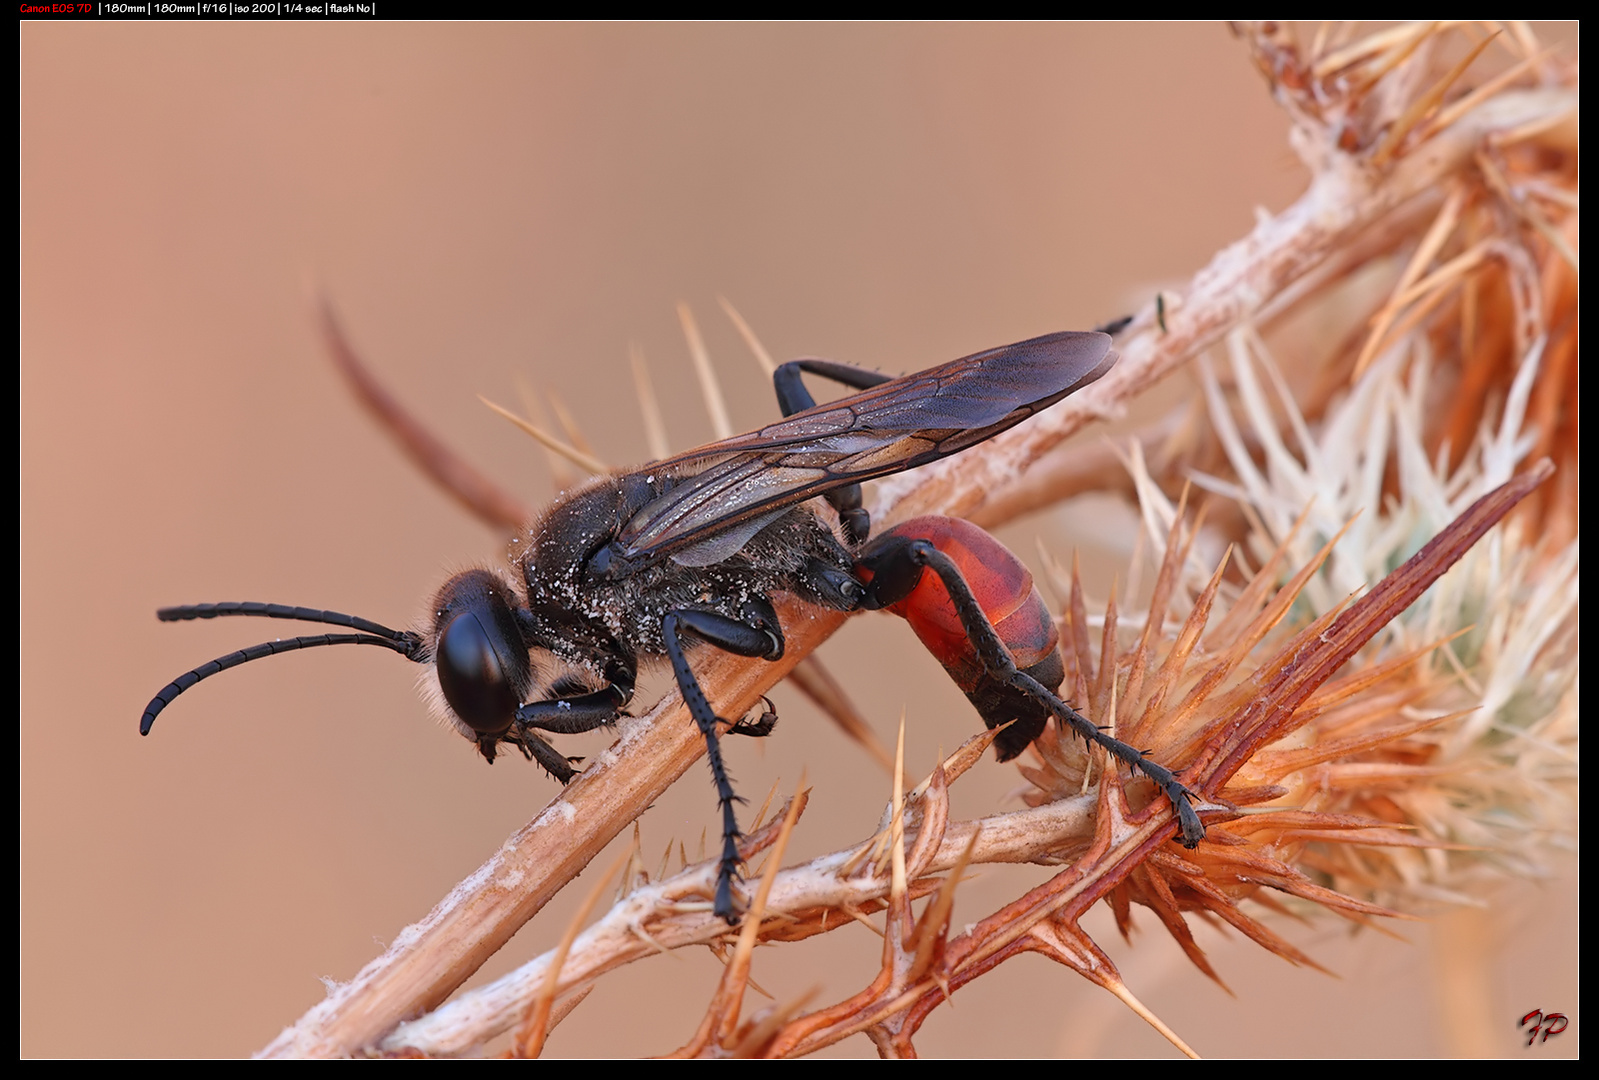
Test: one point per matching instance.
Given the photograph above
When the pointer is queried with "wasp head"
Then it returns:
(480, 655)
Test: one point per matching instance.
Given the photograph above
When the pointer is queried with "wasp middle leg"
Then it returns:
(758, 634)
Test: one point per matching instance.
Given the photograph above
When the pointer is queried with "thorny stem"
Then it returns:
(1311, 665)
(1342, 205)
(650, 919)
(1307, 663)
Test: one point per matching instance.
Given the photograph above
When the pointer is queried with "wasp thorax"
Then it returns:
(480, 655)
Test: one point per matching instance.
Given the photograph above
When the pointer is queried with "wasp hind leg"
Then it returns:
(792, 397)
(757, 635)
(902, 565)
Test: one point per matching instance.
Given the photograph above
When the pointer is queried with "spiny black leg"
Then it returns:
(536, 749)
(999, 663)
(567, 714)
(744, 640)
(792, 397)
(1192, 829)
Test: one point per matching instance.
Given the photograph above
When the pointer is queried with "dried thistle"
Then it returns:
(1358, 750)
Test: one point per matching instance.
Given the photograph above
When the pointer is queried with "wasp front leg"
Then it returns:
(758, 634)
(557, 764)
(568, 716)
(981, 662)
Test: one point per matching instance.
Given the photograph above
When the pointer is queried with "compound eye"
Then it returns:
(473, 677)
(479, 653)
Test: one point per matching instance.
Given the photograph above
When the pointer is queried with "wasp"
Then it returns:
(684, 553)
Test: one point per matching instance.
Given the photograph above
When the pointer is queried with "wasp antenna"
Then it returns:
(185, 612)
(406, 644)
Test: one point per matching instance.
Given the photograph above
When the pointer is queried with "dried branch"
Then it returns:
(805, 900)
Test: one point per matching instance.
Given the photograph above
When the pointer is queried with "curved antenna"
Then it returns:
(405, 642)
(185, 612)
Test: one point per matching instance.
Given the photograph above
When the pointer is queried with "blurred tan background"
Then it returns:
(488, 201)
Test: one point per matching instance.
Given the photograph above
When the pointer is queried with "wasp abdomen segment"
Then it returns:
(894, 568)
(1002, 585)
(1003, 588)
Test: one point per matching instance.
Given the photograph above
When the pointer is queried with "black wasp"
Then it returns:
(649, 563)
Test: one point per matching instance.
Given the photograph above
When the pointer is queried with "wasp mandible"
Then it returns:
(684, 552)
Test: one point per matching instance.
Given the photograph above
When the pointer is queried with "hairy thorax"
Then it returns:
(581, 614)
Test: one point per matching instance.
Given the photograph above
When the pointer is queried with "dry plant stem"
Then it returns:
(720, 1030)
(652, 917)
(529, 1042)
(1124, 843)
(1346, 199)
(431, 958)
(894, 1006)
(483, 499)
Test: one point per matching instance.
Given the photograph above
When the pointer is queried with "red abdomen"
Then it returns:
(1004, 590)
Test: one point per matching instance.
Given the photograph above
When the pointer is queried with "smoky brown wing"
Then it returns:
(733, 487)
